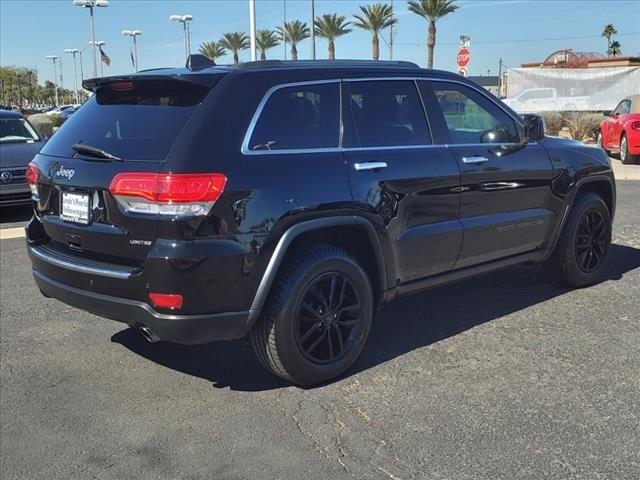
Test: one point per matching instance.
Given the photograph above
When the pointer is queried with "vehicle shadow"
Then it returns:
(15, 215)
(402, 326)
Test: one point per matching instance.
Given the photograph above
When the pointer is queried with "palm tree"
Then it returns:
(331, 27)
(608, 32)
(235, 41)
(615, 49)
(374, 19)
(213, 50)
(266, 39)
(294, 32)
(432, 11)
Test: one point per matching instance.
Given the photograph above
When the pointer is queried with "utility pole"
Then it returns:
(313, 30)
(19, 89)
(53, 59)
(500, 77)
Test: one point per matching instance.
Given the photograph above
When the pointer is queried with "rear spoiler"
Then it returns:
(208, 79)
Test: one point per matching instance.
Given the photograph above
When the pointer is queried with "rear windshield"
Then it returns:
(138, 121)
(16, 130)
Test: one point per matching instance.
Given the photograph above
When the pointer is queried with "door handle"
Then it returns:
(475, 159)
(369, 166)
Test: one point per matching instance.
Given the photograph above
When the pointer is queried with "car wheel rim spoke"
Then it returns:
(328, 318)
(591, 241)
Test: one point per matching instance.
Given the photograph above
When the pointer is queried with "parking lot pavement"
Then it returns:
(504, 376)
(625, 172)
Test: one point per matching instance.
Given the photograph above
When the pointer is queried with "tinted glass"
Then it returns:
(387, 113)
(301, 117)
(16, 130)
(135, 124)
(473, 118)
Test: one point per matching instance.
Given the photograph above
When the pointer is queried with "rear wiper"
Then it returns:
(94, 152)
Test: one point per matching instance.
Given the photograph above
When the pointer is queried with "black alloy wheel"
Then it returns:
(327, 318)
(317, 318)
(591, 241)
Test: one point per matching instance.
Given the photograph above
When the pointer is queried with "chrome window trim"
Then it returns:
(245, 150)
(256, 116)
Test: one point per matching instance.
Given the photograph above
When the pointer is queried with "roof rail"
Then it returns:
(197, 61)
(327, 63)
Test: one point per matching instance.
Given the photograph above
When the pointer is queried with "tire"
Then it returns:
(625, 155)
(569, 264)
(301, 309)
(600, 142)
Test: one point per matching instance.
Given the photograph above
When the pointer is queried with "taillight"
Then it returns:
(635, 125)
(172, 301)
(32, 177)
(173, 194)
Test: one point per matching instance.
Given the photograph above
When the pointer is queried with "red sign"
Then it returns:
(463, 57)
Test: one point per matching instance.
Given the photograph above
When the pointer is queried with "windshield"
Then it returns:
(16, 130)
(132, 122)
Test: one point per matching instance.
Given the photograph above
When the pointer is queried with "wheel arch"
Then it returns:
(603, 185)
(338, 231)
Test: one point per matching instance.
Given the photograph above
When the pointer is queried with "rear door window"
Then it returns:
(386, 113)
(299, 118)
(139, 121)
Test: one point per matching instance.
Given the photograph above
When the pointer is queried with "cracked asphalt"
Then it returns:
(504, 376)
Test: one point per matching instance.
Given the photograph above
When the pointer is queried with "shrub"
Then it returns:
(553, 122)
(42, 123)
(582, 125)
(56, 119)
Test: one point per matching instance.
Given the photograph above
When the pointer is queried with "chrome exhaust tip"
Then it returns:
(148, 335)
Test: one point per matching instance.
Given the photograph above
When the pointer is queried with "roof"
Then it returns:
(10, 114)
(204, 75)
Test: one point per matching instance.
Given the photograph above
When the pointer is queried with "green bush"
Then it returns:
(56, 119)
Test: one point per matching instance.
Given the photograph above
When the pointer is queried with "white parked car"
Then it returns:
(545, 99)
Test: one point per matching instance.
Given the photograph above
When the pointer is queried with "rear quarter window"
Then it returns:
(139, 123)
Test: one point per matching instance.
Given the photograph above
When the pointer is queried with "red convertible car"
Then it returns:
(620, 133)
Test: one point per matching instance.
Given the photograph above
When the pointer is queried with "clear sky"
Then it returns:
(519, 31)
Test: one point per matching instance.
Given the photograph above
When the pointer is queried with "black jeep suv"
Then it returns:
(287, 201)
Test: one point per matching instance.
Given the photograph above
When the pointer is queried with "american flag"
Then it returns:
(104, 57)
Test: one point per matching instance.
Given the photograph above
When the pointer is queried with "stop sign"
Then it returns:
(463, 57)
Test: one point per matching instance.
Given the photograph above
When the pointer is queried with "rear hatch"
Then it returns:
(127, 126)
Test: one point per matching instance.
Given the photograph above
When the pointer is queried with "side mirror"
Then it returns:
(534, 128)
(607, 113)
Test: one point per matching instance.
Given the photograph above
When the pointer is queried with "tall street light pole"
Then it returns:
(184, 19)
(91, 4)
(133, 34)
(284, 27)
(252, 28)
(53, 58)
(74, 51)
(313, 30)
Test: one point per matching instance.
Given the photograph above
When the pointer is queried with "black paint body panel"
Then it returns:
(427, 215)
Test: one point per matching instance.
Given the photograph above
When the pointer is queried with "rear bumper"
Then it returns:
(186, 329)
